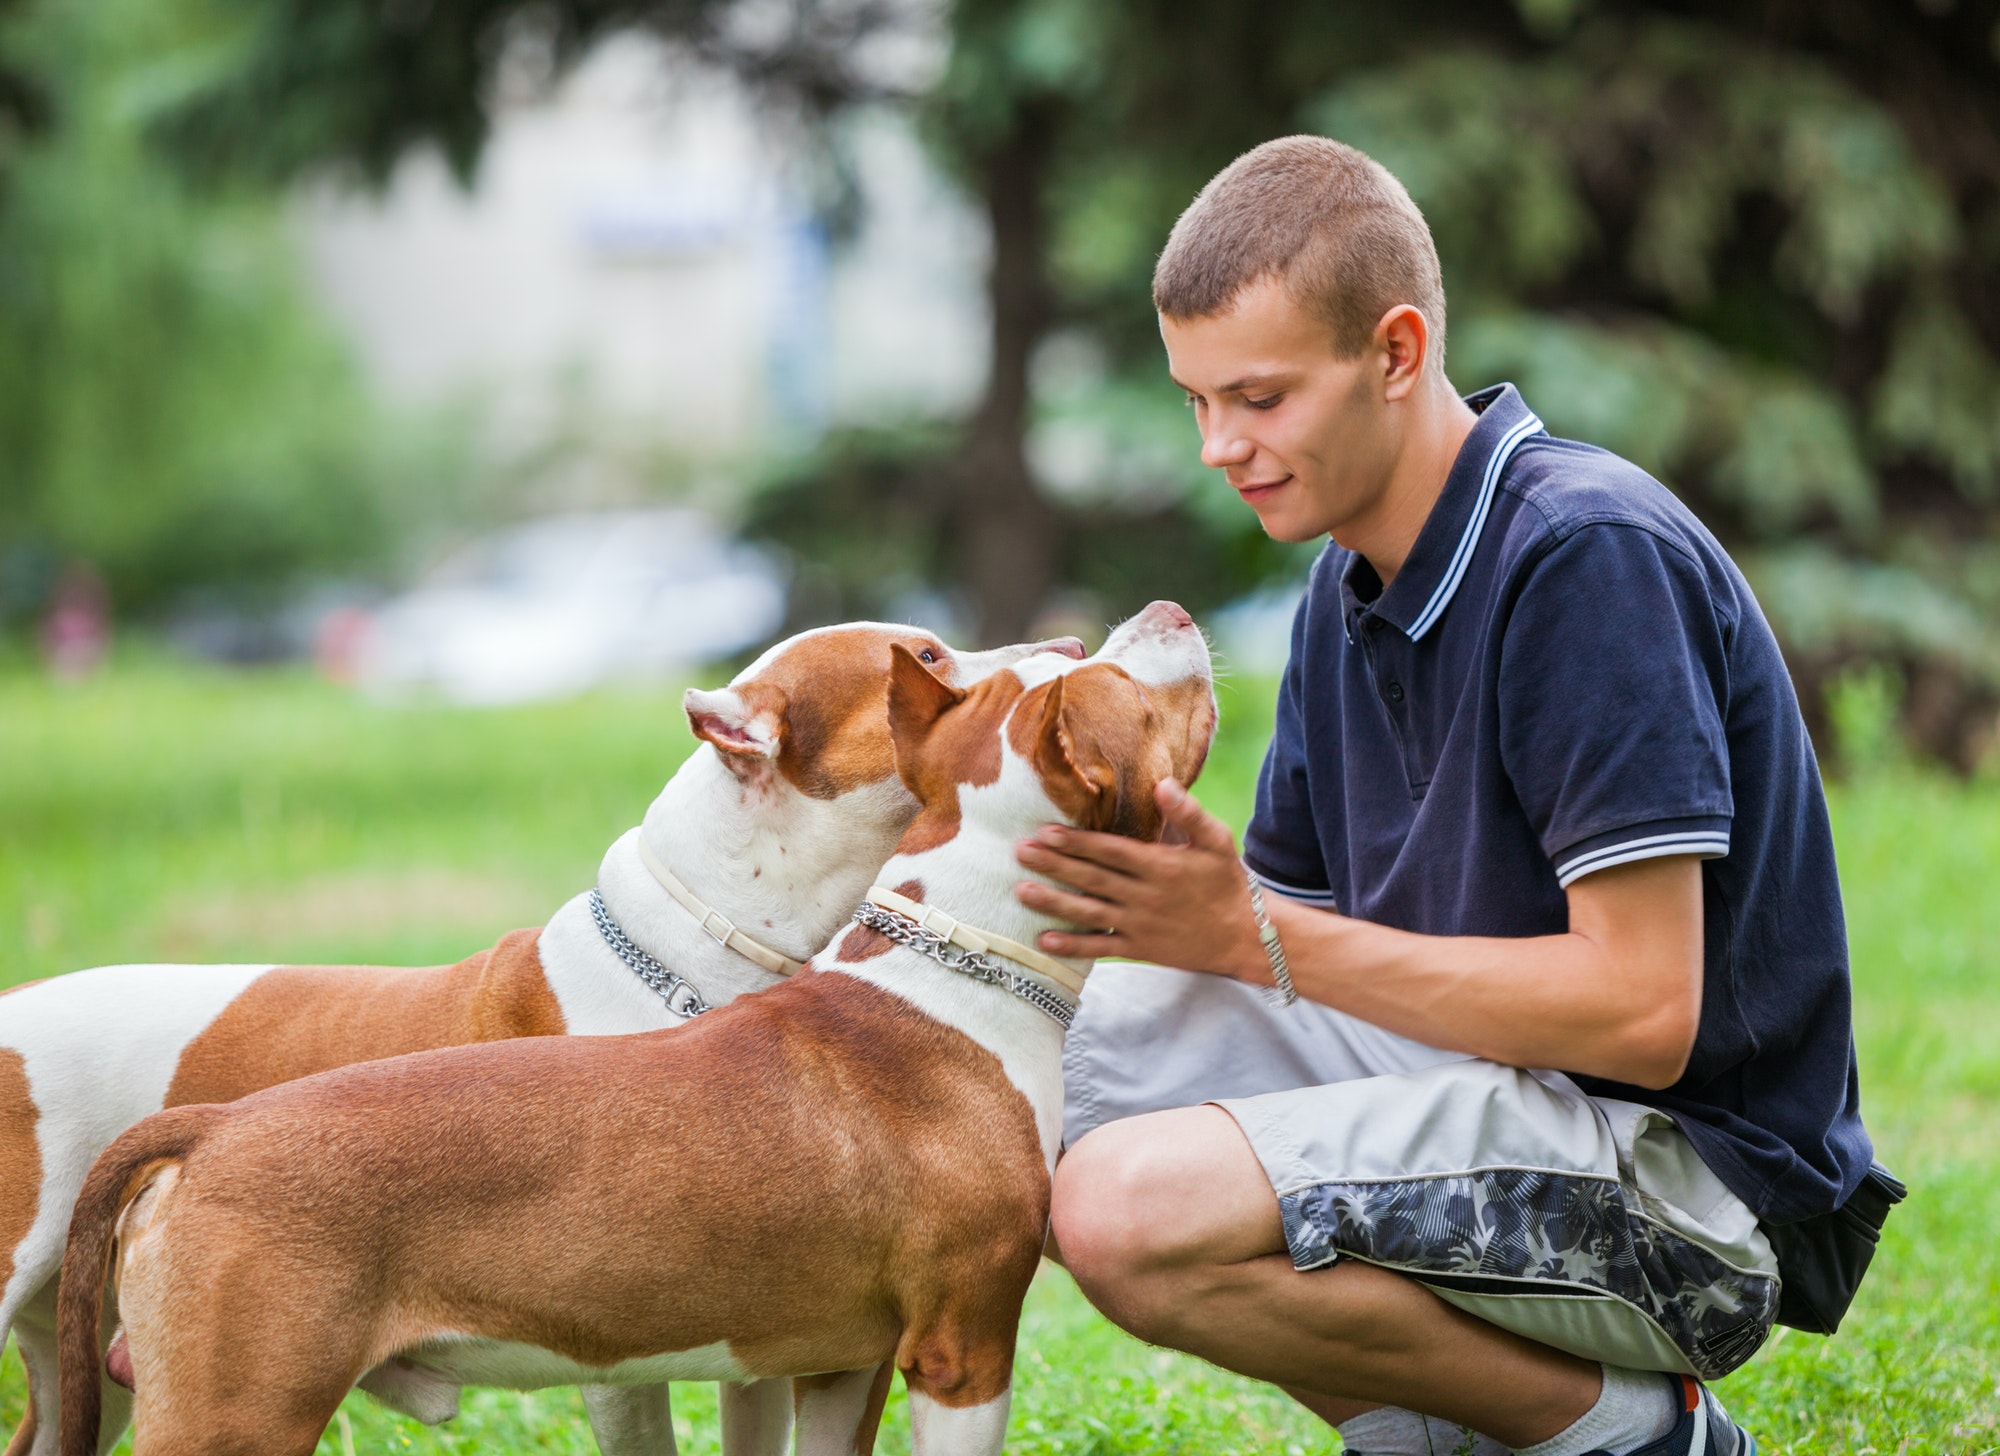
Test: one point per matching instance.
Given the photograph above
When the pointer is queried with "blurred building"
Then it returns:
(640, 241)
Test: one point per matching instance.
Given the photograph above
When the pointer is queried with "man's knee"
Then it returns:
(1143, 1204)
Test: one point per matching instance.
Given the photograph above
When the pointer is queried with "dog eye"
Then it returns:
(927, 656)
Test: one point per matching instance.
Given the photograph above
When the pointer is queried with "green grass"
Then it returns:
(160, 812)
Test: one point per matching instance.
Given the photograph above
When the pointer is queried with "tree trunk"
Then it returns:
(1008, 532)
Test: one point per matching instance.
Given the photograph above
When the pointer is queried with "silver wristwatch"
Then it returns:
(1281, 991)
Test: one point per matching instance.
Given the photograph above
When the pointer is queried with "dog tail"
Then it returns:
(118, 1176)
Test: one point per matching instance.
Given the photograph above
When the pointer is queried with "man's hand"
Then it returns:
(1183, 902)
(1618, 995)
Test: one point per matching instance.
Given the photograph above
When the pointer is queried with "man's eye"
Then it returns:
(1193, 400)
(1268, 402)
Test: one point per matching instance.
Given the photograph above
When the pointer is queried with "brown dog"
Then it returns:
(775, 826)
(847, 1170)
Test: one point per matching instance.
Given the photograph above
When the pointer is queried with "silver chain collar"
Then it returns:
(682, 999)
(906, 932)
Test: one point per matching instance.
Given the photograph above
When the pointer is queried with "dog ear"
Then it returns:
(1078, 779)
(747, 734)
(918, 697)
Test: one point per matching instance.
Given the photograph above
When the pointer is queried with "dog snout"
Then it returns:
(1068, 646)
(1171, 615)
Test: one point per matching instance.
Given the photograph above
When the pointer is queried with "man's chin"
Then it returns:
(1290, 527)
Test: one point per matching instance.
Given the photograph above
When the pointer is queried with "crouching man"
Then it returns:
(1539, 797)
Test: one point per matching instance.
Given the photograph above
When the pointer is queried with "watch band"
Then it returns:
(1281, 991)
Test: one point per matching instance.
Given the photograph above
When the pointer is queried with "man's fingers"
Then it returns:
(1184, 812)
(1114, 851)
(1078, 874)
(1083, 947)
(1080, 910)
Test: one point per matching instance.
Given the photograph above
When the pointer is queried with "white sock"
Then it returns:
(1635, 1406)
(1391, 1431)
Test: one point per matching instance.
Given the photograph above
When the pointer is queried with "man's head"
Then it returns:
(1301, 304)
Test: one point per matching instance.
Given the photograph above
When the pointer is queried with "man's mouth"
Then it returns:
(1258, 490)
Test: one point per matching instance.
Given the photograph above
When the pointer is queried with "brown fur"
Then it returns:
(297, 1020)
(20, 1190)
(882, 1193)
(802, 1250)
(864, 942)
(20, 1155)
(833, 742)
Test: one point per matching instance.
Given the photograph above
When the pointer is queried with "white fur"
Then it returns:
(99, 1049)
(972, 876)
(830, 1415)
(949, 1430)
(475, 1360)
(100, 1046)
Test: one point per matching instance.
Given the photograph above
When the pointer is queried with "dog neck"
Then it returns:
(971, 876)
(786, 868)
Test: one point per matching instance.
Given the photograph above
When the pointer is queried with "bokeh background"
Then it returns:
(401, 399)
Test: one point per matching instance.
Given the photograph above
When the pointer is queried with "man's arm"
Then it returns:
(1617, 996)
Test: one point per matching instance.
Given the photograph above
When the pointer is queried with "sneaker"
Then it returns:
(1704, 1427)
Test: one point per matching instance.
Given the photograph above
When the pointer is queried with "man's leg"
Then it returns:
(1169, 1225)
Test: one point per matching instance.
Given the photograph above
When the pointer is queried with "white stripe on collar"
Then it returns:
(1462, 557)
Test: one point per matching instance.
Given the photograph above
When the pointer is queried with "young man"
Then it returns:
(1539, 797)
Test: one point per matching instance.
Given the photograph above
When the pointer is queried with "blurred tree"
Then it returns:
(171, 409)
(1753, 244)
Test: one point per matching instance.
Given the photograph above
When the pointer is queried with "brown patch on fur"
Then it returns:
(20, 1155)
(1095, 740)
(297, 1020)
(911, 1232)
(945, 738)
(829, 688)
(864, 942)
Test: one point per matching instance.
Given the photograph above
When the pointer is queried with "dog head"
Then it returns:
(808, 714)
(1052, 738)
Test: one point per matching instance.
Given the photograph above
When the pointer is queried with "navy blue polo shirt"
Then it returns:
(1568, 674)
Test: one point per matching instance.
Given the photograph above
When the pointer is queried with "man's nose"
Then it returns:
(1222, 447)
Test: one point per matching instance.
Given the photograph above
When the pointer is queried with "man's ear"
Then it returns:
(746, 733)
(918, 697)
(1083, 786)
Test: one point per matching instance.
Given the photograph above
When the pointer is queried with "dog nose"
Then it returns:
(1067, 646)
(1172, 614)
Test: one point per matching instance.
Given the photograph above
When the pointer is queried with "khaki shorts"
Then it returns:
(1581, 1222)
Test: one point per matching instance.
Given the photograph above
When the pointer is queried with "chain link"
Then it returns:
(682, 999)
(906, 932)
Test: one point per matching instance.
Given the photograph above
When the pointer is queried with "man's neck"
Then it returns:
(1435, 431)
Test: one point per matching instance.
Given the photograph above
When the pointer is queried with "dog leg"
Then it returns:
(839, 1414)
(35, 1336)
(756, 1417)
(957, 1430)
(631, 1420)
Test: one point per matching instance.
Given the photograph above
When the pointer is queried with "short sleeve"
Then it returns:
(1281, 845)
(1612, 697)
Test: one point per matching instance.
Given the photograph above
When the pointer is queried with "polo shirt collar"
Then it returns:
(1436, 564)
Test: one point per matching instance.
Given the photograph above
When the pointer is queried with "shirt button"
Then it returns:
(1395, 691)
(1373, 624)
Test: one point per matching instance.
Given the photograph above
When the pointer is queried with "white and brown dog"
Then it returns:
(779, 820)
(844, 1174)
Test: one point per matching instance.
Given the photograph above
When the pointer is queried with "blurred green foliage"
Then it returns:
(1750, 246)
(172, 408)
(1753, 246)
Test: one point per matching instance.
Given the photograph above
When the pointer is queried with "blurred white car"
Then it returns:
(554, 606)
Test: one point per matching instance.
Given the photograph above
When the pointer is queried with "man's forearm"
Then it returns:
(1548, 1001)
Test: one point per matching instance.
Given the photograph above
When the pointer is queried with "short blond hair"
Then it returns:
(1329, 222)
